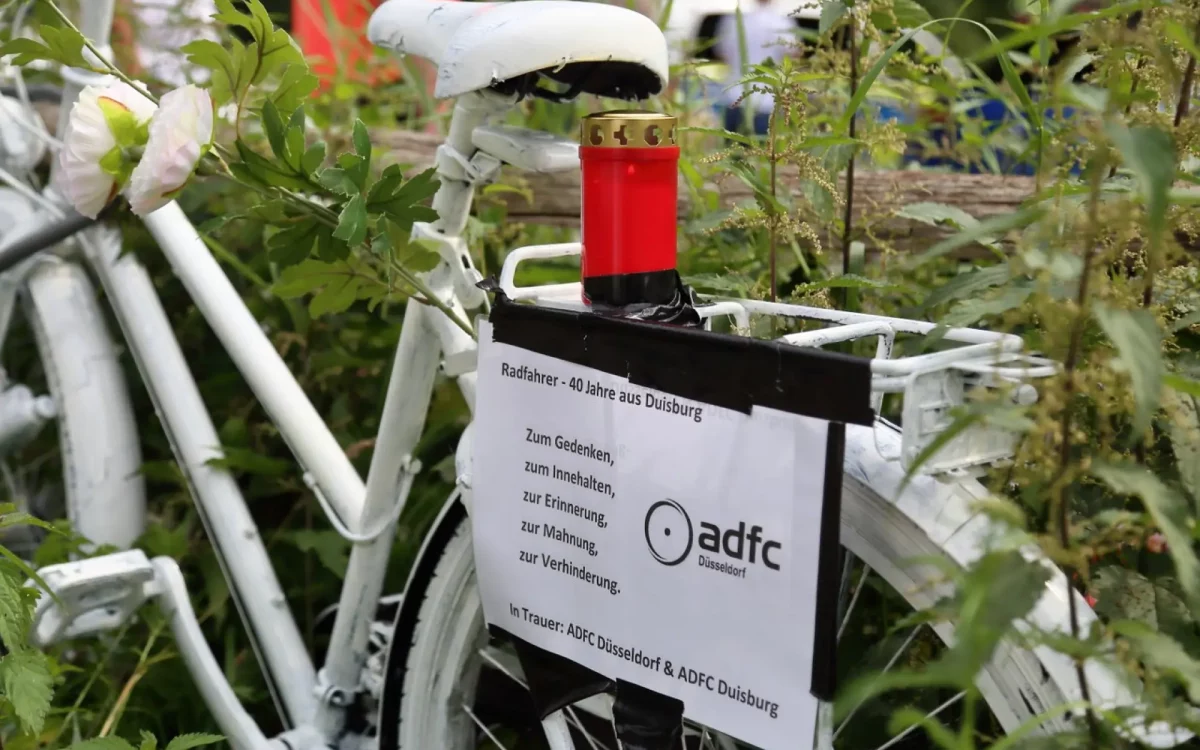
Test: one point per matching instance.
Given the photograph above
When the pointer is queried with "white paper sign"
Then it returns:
(652, 538)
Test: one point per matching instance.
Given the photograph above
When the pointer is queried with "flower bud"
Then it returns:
(181, 133)
(105, 124)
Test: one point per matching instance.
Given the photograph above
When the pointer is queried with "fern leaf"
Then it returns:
(187, 741)
(28, 686)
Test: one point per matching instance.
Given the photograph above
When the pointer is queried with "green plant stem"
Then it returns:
(321, 213)
(847, 214)
(229, 257)
(773, 228)
(1185, 88)
(87, 687)
(430, 298)
(143, 666)
(1061, 497)
(113, 69)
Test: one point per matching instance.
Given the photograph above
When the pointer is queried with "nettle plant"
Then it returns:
(336, 229)
(1096, 270)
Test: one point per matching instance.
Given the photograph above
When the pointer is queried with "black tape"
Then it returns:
(678, 307)
(734, 372)
(829, 569)
(555, 682)
(646, 720)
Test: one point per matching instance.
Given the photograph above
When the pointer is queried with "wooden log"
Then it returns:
(554, 199)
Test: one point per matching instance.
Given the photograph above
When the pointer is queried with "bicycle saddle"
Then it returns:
(592, 48)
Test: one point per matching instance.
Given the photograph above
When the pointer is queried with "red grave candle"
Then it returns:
(629, 190)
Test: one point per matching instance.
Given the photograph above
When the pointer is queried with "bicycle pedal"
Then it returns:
(91, 596)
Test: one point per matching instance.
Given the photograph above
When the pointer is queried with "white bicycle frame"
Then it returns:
(314, 703)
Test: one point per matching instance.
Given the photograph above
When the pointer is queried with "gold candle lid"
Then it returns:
(627, 129)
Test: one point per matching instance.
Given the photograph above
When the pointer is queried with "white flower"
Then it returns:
(180, 134)
(104, 121)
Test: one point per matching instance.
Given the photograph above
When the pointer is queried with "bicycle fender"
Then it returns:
(454, 510)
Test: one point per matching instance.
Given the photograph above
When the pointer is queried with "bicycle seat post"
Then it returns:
(460, 165)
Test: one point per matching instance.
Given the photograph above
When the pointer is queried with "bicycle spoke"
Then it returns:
(853, 601)
(824, 732)
(483, 727)
(572, 717)
(891, 663)
(929, 715)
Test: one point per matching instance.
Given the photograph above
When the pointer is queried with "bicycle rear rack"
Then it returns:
(933, 385)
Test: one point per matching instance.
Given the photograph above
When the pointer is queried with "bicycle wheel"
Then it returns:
(436, 692)
(90, 474)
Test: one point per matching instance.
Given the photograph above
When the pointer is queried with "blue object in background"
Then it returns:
(994, 116)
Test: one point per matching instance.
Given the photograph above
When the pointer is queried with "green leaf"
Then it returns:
(294, 244)
(1183, 426)
(352, 222)
(102, 743)
(968, 284)
(337, 180)
(413, 256)
(223, 63)
(336, 285)
(985, 233)
(1123, 594)
(384, 189)
(329, 249)
(998, 590)
(275, 129)
(1149, 152)
(938, 214)
(362, 141)
(1170, 513)
(355, 168)
(313, 158)
(295, 139)
(970, 311)
(741, 138)
(28, 686)
(1182, 384)
(329, 547)
(910, 13)
(1163, 654)
(1138, 341)
(832, 11)
(149, 741)
(61, 45)
(15, 613)
(1033, 115)
(188, 741)
(9, 519)
(401, 205)
(263, 170)
(335, 297)
(271, 49)
(293, 88)
(250, 461)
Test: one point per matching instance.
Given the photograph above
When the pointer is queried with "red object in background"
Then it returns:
(629, 191)
(333, 35)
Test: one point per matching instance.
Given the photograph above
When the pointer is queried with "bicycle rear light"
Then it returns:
(630, 161)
